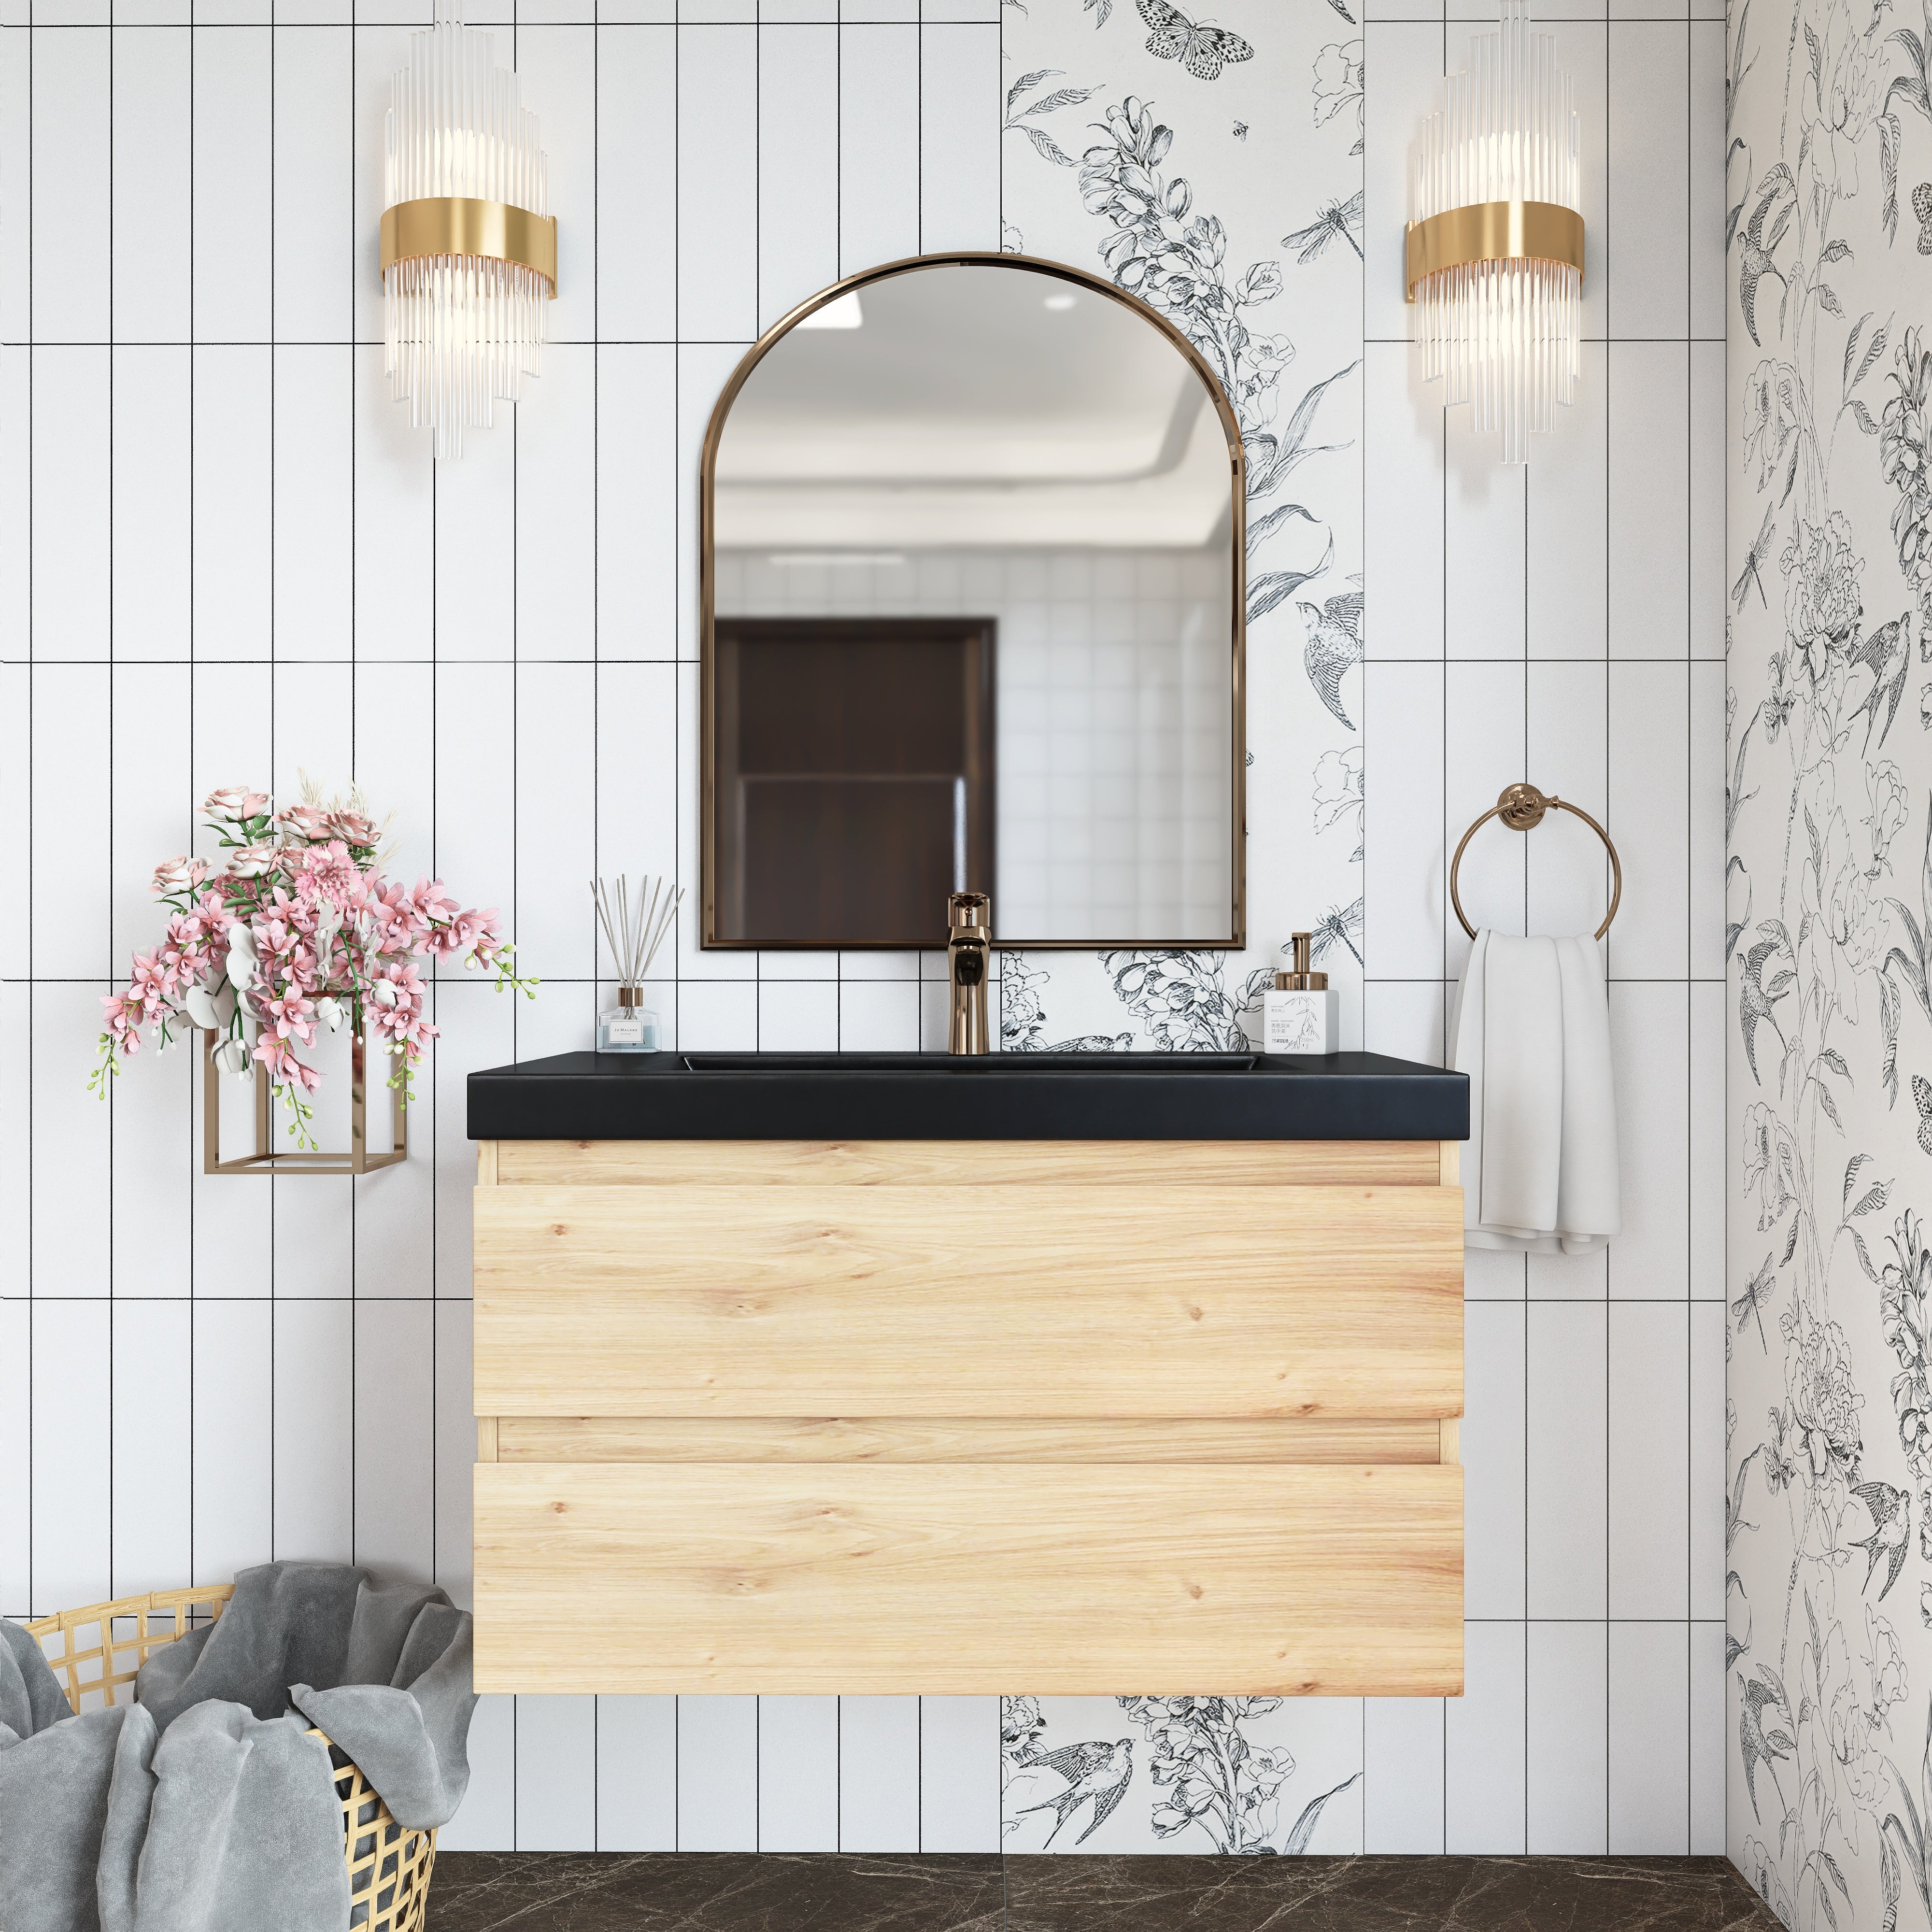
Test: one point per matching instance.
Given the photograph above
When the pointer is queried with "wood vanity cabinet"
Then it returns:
(969, 1416)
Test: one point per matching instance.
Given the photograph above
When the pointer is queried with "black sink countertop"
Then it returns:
(800, 1096)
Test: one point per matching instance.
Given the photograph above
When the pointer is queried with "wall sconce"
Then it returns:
(469, 254)
(1495, 235)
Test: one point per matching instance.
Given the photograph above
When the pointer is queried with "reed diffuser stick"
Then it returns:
(634, 929)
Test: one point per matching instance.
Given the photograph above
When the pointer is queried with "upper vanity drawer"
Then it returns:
(973, 1301)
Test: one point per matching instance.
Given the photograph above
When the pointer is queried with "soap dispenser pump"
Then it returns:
(1298, 1010)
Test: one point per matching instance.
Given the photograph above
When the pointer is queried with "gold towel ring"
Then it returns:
(1521, 808)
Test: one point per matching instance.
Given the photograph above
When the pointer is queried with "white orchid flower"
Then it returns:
(383, 992)
(233, 1057)
(242, 960)
(200, 1005)
(329, 1010)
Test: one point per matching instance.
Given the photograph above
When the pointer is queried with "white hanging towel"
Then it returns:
(1532, 1032)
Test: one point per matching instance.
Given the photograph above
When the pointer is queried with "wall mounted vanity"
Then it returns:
(879, 1373)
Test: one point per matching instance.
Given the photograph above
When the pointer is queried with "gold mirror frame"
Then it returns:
(707, 609)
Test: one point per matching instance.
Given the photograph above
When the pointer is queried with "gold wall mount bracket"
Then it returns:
(1493, 231)
(456, 224)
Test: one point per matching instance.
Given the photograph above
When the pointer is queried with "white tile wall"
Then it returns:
(223, 554)
(1567, 626)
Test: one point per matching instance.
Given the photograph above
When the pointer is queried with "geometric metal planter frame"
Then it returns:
(264, 1160)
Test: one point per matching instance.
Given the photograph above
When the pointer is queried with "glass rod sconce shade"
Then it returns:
(468, 252)
(1495, 251)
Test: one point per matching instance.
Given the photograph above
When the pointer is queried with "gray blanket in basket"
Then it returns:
(203, 1807)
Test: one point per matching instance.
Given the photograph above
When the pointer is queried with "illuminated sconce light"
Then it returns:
(1495, 235)
(468, 251)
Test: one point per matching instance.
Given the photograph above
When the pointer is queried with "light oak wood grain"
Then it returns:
(1164, 1164)
(1114, 1302)
(733, 1439)
(1072, 1579)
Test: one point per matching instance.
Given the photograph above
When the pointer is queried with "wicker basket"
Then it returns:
(389, 1866)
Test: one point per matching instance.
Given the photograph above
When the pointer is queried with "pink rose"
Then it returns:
(236, 801)
(251, 862)
(177, 875)
(351, 827)
(304, 821)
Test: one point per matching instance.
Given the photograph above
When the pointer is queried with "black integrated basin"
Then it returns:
(1134, 1063)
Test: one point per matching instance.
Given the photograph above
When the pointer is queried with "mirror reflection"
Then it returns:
(973, 574)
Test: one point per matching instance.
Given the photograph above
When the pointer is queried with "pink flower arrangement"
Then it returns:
(295, 931)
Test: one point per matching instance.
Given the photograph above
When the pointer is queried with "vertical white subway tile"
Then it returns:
(71, 226)
(1402, 430)
(959, 127)
(1493, 1447)
(1569, 871)
(72, 837)
(1649, 498)
(1709, 1140)
(154, 200)
(1483, 1745)
(152, 503)
(878, 1016)
(557, 67)
(70, 472)
(314, 1443)
(234, 165)
(72, 1454)
(556, 1774)
(878, 150)
(16, 489)
(486, 1820)
(17, 160)
(17, 1413)
(233, 1437)
(1582, 49)
(1650, 1459)
(798, 1015)
(1406, 59)
(1568, 1440)
(717, 183)
(556, 510)
(1649, 801)
(702, 369)
(455, 1451)
(878, 1774)
(1650, 186)
(395, 521)
(314, 498)
(314, 183)
(959, 1775)
(1706, 1555)
(72, 1245)
(1484, 561)
(1707, 1740)
(1403, 1018)
(636, 1773)
(798, 1774)
(1706, 841)
(477, 547)
(1650, 1727)
(1650, 1050)
(1484, 710)
(637, 163)
(556, 738)
(1708, 632)
(234, 501)
(1568, 1738)
(798, 166)
(717, 1773)
(1403, 875)
(1403, 1754)
(395, 1444)
(1568, 539)
(478, 1030)
(639, 554)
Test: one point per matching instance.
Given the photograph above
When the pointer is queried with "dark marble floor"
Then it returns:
(574, 1891)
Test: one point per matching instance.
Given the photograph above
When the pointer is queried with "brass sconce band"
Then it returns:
(1494, 231)
(454, 224)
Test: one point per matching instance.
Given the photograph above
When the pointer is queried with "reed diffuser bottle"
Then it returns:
(633, 930)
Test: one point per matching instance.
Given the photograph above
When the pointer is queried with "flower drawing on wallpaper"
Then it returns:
(1834, 975)
(1022, 120)
(1180, 998)
(1338, 795)
(1023, 1017)
(1215, 1781)
(1339, 86)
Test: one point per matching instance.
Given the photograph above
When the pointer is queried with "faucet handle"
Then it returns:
(970, 912)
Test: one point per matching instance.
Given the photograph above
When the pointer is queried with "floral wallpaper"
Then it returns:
(1216, 171)
(1828, 930)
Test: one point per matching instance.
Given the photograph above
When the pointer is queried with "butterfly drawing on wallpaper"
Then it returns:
(1921, 1092)
(1921, 206)
(1201, 50)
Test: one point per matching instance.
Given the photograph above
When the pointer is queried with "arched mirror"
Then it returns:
(972, 606)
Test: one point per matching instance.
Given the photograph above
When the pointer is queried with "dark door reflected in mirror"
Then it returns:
(972, 593)
(855, 781)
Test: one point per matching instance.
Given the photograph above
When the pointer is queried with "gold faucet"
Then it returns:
(969, 919)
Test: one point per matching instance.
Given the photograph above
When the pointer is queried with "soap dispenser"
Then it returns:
(1298, 1010)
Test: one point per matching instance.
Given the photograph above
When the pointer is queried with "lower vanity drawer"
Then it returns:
(969, 1579)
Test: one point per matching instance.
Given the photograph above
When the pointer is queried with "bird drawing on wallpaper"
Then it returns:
(1754, 1742)
(1334, 647)
(1201, 50)
(1778, 202)
(1921, 206)
(1887, 655)
(1891, 1525)
(1099, 1771)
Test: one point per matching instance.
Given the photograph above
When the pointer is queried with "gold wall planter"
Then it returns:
(358, 1160)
